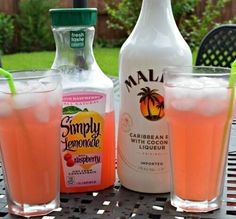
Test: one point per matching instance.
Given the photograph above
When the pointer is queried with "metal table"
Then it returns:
(119, 203)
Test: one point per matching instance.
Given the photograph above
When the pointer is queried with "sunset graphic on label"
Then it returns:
(151, 104)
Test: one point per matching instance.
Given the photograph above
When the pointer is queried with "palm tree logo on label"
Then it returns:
(151, 104)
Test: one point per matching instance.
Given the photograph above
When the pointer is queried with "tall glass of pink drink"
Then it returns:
(199, 109)
(29, 141)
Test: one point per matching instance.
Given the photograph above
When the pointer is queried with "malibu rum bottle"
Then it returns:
(143, 141)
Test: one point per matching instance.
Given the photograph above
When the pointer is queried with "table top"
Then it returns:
(119, 203)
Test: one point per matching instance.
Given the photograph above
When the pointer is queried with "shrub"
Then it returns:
(34, 25)
(192, 27)
(182, 8)
(6, 32)
(121, 17)
(106, 43)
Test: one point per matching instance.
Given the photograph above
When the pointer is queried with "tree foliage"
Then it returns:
(193, 27)
(34, 25)
(123, 15)
(6, 32)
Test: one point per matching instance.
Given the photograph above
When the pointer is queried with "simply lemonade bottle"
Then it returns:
(87, 125)
(143, 142)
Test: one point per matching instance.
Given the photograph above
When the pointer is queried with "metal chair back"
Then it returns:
(218, 48)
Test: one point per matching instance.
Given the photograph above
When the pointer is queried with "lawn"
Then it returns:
(107, 59)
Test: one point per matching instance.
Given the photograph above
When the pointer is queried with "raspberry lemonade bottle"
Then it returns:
(87, 125)
(143, 141)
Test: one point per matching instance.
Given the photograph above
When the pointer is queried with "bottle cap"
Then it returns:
(62, 17)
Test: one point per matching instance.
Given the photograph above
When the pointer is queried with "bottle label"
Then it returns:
(143, 132)
(82, 133)
(77, 39)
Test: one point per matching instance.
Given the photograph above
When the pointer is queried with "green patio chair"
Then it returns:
(218, 48)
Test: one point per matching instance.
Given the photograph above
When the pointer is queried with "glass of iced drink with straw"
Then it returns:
(199, 108)
(30, 114)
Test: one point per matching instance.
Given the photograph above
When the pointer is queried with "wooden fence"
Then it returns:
(11, 7)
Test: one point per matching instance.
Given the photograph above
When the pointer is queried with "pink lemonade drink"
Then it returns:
(29, 139)
(199, 118)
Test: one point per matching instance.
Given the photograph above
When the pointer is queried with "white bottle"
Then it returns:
(143, 143)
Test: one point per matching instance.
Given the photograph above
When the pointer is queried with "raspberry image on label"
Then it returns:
(67, 156)
(70, 163)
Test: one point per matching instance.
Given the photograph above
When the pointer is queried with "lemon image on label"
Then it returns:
(83, 135)
(82, 138)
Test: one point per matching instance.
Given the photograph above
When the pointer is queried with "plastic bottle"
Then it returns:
(87, 126)
(143, 143)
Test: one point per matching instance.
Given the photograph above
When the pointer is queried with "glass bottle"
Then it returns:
(143, 142)
(87, 126)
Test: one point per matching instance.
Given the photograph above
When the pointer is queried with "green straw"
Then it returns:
(232, 86)
(232, 76)
(227, 126)
(10, 80)
(232, 79)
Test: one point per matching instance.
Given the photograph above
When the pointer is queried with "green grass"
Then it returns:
(107, 58)
(21, 61)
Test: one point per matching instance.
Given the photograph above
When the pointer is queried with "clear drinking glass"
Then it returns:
(199, 109)
(29, 141)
